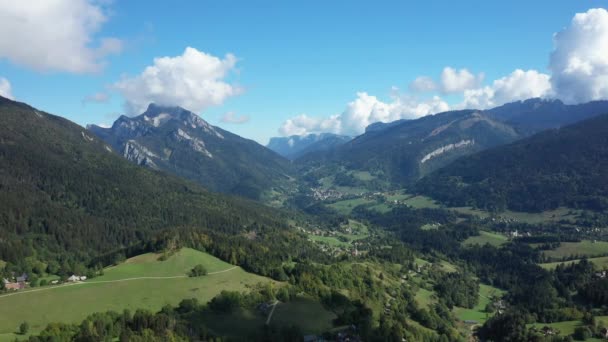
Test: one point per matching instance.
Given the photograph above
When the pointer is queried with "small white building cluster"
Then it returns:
(74, 278)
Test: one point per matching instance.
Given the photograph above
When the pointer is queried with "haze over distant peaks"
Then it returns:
(295, 146)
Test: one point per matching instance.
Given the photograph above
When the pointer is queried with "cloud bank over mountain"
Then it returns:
(578, 68)
(194, 80)
(6, 89)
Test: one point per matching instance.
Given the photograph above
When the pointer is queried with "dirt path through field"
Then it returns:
(108, 281)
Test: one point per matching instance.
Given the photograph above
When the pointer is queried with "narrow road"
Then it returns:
(107, 281)
(271, 312)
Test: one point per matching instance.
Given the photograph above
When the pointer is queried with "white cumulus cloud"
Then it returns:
(194, 80)
(55, 35)
(423, 84)
(457, 81)
(519, 85)
(6, 89)
(361, 112)
(579, 61)
(304, 124)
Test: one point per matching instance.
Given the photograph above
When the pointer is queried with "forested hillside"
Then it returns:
(559, 167)
(410, 149)
(67, 199)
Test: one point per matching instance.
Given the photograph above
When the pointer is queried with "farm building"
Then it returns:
(74, 278)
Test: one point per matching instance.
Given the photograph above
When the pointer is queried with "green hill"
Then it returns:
(142, 282)
(556, 168)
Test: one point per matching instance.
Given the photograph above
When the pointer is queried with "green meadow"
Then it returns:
(484, 237)
(425, 298)
(346, 206)
(601, 262)
(359, 232)
(555, 215)
(478, 313)
(141, 282)
(567, 327)
(583, 248)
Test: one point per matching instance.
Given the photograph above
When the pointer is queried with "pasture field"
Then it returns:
(359, 232)
(567, 327)
(122, 287)
(382, 208)
(447, 266)
(484, 237)
(583, 248)
(425, 298)
(478, 313)
(471, 211)
(419, 202)
(530, 218)
(601, 262)
(363, 175)
(346, 206)
(329, 240)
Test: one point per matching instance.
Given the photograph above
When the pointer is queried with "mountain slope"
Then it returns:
(410, 149)
(175, 140)
(534, 115)
(559, 167)
(296, 146)
(67, 196)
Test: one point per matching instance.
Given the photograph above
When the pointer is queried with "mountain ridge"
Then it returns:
(405, 150)
(557, 167)
(175, 140)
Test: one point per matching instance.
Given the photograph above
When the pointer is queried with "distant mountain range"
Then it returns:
(178, 141)
(406, 150)
(410, 149)
(557, 167)
(296, 146)
(534, 115)
(380, 126)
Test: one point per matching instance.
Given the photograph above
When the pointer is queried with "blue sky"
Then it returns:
(293, 58)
